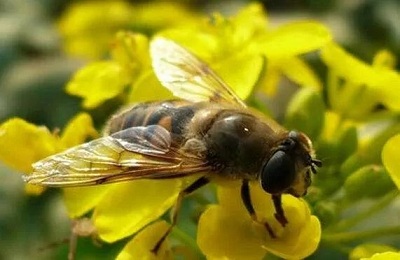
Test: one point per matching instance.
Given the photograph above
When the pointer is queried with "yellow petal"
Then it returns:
(384, 256)
(34, 189)
(331, 125)
(347, 66)
(294, 39)
(383, 81)
(301, 237)
(384, 59)
(222, 235)
(98, 82)
(22, 144)
(160, 14)
(131, 51)
(78, 130)
(244, 80)
(390, 91)
(87, 27)
(249, 22)
(271, 79)
(80, 200)
(220, 37)
(229, 197)
(86, 46)
(390, 158)
(140, 247)
(367, 250)
(300, 73)
(128, 207)
(148, 88)
(229, 222)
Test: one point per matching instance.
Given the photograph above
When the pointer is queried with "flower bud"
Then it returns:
(306, 112)
(370, 181)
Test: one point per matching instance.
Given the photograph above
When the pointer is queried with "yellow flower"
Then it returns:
(140, 247)
(352, 80)
(226, 42)
(23, 143)
(120, 209)
(128, 207)
(384, 256)
(223, 43)
(372, 251)
(129, 67)
(390, 158)
(226, 231)
(88, 27)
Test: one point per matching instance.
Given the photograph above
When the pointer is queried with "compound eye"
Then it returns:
(278, 173)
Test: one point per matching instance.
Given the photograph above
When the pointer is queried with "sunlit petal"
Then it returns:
(78, 130)
(365, 251)
(390, 158)
(128, 207)
(22, 143)
(294, 39)
(80, 200)
(98, 82)
(222, 235)
(141, 245)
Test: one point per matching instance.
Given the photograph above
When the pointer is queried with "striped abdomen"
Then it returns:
(172, 115)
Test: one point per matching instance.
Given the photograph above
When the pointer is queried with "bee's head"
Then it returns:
(288, 170)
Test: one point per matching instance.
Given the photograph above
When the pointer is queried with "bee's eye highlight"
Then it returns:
(278, 173)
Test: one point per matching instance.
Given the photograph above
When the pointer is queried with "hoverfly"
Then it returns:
(210, 131)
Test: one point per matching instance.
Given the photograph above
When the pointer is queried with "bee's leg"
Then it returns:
(73, 240)
(246, 198)
(279, 213)
(175, 210)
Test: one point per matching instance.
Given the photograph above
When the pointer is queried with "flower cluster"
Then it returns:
(352, 117)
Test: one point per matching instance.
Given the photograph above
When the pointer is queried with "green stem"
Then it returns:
(332, 89)
(339, 247)
(357, 235)
(377, 207)
(186, 239)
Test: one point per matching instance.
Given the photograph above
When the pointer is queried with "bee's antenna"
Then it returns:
(315, 162)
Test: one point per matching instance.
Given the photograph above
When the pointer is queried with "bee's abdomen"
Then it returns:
(172, 115)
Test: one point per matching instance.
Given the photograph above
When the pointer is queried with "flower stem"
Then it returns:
(186, 239)
(377, 207)
(357, 235)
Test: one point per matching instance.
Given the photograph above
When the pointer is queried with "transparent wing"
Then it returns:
(133, 153)
(186, 76)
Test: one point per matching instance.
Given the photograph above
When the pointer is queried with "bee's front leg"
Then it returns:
(279, 213)
(246, 198)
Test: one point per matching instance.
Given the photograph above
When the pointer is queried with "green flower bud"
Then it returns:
(306, 112)
(326, 212)
(370, 181)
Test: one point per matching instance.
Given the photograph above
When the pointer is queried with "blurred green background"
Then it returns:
(34, 70)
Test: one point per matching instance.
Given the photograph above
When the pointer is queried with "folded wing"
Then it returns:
(144, 152)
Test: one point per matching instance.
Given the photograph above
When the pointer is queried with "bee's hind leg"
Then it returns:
(175, 210)
(246, 198)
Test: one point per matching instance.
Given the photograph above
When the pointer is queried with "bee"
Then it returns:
(210, 132)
